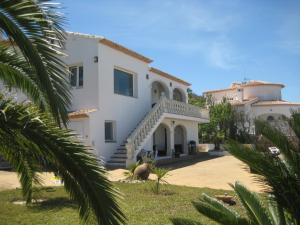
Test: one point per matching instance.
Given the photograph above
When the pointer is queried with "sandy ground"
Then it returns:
(214, 173)
(9, 180)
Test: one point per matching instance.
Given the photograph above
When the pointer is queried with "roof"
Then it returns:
(82, 113)
(275, 103)
(168, 76)
(259, 83)
(114, 45)
(244, 102)
(250, 83)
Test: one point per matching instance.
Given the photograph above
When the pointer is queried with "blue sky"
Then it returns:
(208, 43)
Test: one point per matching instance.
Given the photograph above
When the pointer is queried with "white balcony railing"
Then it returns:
(164, 105)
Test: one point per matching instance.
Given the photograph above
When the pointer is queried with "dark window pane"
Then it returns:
(80, 80)
(123, 83)
(73, 76)
(109, 135)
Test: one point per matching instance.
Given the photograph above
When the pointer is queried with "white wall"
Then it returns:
(263, 92)
(191, 128)
(126, 111)
(81, 51)
(282, 110)
(156, 77)
(98, 91)
(228, 94)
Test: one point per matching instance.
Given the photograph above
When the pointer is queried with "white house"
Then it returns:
(122, 106)
(257, 99)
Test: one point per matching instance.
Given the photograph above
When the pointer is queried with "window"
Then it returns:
(123, 83)
(76, 76)
(110, 131)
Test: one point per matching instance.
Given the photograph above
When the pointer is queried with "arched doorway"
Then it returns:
(180, 140)
(157, 90)
(178, 95)
(161, 141)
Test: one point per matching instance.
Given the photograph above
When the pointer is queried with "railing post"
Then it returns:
(130, 153)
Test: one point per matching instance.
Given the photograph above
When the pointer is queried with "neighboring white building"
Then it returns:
(121, 105)
(257, 99)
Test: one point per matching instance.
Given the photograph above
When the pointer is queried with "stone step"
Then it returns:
(116, 160)
(119, 157)
(115, 165)
(120, 154)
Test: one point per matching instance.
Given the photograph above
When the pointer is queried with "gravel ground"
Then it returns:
(214, 173)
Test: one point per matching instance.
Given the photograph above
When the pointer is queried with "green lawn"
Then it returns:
(140, 205)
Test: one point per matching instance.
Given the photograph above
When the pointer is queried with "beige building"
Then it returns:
(257, 99)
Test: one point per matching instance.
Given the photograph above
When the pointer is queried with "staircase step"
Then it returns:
(120, 153)
(119, 157)
(116, 160)
(115, 165)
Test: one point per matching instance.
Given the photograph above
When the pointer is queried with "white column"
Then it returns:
(172, 142)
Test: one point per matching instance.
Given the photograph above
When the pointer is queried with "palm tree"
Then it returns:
(31, 45)
(160, 173)
(257, 212)
(280, 175)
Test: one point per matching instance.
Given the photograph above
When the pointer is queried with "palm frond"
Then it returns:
(84, 179)
(276, 212)
(254, 206)
(217, 211)
(32, 26)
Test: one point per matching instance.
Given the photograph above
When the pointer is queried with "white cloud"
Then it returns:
(197, 28)
(222, 55)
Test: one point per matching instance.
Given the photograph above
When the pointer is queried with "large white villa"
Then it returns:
(122, 106)
(257, 99)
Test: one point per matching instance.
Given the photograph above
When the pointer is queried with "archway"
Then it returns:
(157, 90)
(161, 141)
(179, 95)
(180, 139)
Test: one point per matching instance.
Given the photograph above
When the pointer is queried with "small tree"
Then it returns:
(160, 174)
(221, 123)
(195, 99)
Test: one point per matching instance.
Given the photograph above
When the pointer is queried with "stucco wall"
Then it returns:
(268, 110)
(191, 129)
(81, 51)
(98, 91)
(228, 94)
(263, 92)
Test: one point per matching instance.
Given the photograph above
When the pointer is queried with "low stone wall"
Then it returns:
(205, 147)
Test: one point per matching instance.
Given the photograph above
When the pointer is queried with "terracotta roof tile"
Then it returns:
(82, 113)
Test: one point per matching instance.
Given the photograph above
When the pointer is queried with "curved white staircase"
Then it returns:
(128, 151)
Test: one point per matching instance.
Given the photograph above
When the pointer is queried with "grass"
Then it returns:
(141, 206)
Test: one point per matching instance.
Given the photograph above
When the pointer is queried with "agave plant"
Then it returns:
(31, 46)
(258, 213)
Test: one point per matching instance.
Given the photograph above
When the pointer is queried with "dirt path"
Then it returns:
(9, 180)
(214, 173)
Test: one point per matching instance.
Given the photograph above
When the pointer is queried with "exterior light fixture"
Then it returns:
(147, 76)
(95, 59)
